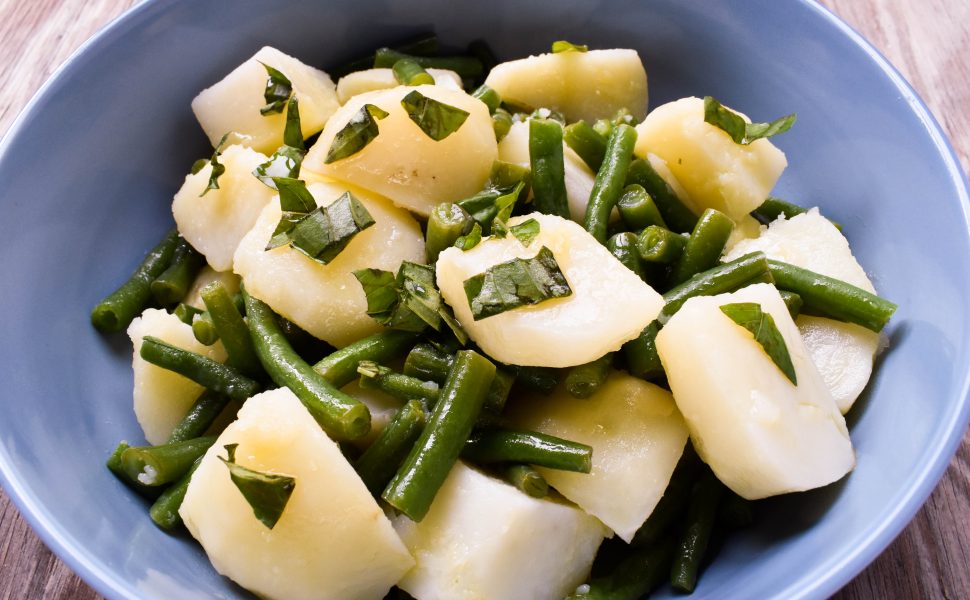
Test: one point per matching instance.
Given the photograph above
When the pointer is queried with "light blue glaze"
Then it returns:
(90, 168)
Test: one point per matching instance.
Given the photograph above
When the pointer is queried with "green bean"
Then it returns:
(604, 127)
(704, 247)
(637, 208)
(772, 208)
(672, 505)
(446, 224)
(428, 363)
(467, 67)
(342, 416)
(586, 142)
(116, 312)
(501, 124)
(582, 381)
(408, 72)
(632, 578)
(483, 52)
(641, 355)
(115, 466)
(624, 247)
(527, 480)
(693, 541)
(540, 379)
(165, 510)
(377, 465)
(548, 168)
(200, 417)
(186, 313)
(734, 512)
(678, 217)
(160, 465)
(204, 329)
(792, 301)
(660, 245)
(200, 369)
(609, 181)
(232, 329)
(623, 115)
(173, 284)
(833, 298)
(340, 368)
(404, 387)
(529, 447)
(489, 96)
(726, 277)
(413, 488)
(423, 45)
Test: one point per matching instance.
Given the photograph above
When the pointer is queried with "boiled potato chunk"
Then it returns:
(327, 300)
(332, 539)
(715, 172)
(637, 435)
(233, 103)
(207, 275)
(745, 228)
(405, 165)
(514, 148)
(372, 80)
(483, 538)
(216, 222)
(162, 398)
(581, 85)
(843, 352)
(609, 304)
(760, 434)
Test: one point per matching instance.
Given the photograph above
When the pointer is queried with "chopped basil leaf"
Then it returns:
(564, 46)
(293, 131)
(526, 231)
(359, 131)
(762, 326)
(497, 201)
(436, 119)
(266, 493)
(199, 165)
(515, 283)
(740, 130)
(288, 158)
(217, 168)
(294, 196)
(277, 92)
(471, 239)
(504, 205)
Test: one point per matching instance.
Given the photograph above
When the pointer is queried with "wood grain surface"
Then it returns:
(927, 40)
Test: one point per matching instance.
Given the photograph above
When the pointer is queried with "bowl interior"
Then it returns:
(91, 168)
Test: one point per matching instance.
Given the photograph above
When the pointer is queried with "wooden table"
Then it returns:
(928, 40)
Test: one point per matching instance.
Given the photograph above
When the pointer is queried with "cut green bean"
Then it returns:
(694, 539)
(173, 284)
(165, 511)
(660, 245)
(548, 168)
(604, 127)
(641, 355)
(340, 367)
(161, 465)
(637, 208)
(529, 447)
(413, 488)
(726, 277)
(446, 224)
(200, 369)
(609, 181)
(489, 96)
(539, 379)
(204, 329)
(833, 298)
(633, 577)
(116, 312)
(793, 302)
(734, 512)
(678, 217)
(408, 72)
(115, 466)
(624, 247)
(377, 465)
(423, 45)
(232, 329)
(376, 377)
(527, 480)
(587, 143)
(467, 67)
(704, 246)
(200, 417)
(673, 504)
(582, 381)
(342, 416)
(772, 208)
(186, 313)
(431, 364)
(501, 123)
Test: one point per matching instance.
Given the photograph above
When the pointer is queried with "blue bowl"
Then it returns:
(91, 166)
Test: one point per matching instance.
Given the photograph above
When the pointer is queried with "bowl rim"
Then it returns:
(825, 580)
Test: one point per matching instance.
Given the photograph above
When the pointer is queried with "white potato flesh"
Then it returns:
(327, 300)
(514, 148)
(714, 171)
(332, 540)
(162, 398)
(761, 435)
(609, 304)
(581, 85)
(637, 435)
(233, 103)
(405, 165)
(216, 222)
(844, 353)
(382, 409)
(371, 80)
(483, 538)
(207, 275)
(745, 228)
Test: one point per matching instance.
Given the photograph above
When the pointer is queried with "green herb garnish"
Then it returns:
(740, 130)
(436, 119)
(515, 283)
(470, 239)
(496, 202)
(762, 326)
(277, 92)
(266, 493)
(288, 158)
(564, 46)
(526, 231)
(359, 131)
(217, 167)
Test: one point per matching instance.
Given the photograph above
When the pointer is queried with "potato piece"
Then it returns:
(843, 353)
(609, 304)
(332, 540)
(162, 398)
(637, 435)
(514, 148)
(745, 228)
(382, 407)
(405, 165)
(327, 300)
(233, 103)
(760, 434)
(215, 223)
(715, 172)
(207, 275)
(581, 85)
(483, 538)
(371, 80)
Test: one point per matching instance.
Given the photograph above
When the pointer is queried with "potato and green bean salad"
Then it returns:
(454, 328)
